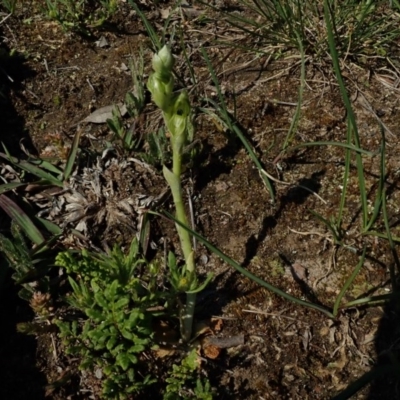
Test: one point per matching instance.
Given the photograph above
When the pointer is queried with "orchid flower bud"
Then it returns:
(163, 62)
(161, 82)
(161, 92)
(177, 120)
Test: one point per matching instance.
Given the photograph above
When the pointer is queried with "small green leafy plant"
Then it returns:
(114, 292)
(82, 15)
(184, 381)
(120, 303)
(135, 103)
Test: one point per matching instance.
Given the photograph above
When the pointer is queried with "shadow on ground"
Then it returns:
(383, 377)
(20, 378)
(386, 384)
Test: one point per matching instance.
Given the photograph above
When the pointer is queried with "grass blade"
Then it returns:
(381, 185)
(45, 165)
(347, 165)
(72, 156)
(152, 33)
(348, 282)
(337, 144)
(222, 109)
(11, 186)
(16, 213)
(372, 300)
(33, 169)
(297, 113)
(351, 120)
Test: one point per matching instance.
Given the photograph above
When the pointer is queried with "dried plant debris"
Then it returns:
(102, 198)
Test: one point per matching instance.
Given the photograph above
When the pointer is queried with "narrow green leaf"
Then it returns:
(150, 30)
(348, 282)
(33, 169)
(233, 127)
(46, 165)
(50, 226)
(16, 213)
(10, 186)
(373, 300)
(72, 156)
(356, 149)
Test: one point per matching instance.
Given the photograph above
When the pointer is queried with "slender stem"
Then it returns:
(174, 181)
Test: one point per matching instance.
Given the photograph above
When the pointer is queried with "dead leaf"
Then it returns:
(211, 352)
(165, 12)
(102, 42)
(299, 271)
(216, 324)
(306, 339)
(191, 12)
(202, 328)
(163, 352)
(101, 115)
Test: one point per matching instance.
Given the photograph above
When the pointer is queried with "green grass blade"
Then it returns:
(49, 226)
(222, 109)
(381, 184)
(72, 156)
(33, 169)
(334, 229)
(297, 113)
(348, 282)
(329, 17)
(45, 165)
(382, 235)
(244, 271)
(149, 28)
(16, 213)
(373, 300)
(356, 149)
(10, 186)
(347, 164)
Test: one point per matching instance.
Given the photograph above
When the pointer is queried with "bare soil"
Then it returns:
(289, 352)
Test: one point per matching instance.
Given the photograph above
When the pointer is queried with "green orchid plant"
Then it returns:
(177, 116)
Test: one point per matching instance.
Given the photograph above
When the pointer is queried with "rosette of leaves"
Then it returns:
(116, 293)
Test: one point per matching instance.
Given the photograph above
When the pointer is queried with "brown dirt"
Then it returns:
(289, 352)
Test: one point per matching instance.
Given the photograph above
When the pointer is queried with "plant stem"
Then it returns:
(174, 180)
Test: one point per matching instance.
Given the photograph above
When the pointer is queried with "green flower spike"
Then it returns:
(161, 82)
(176, 111)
